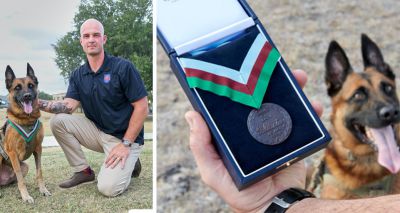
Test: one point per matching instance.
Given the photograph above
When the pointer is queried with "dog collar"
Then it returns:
(27, 132)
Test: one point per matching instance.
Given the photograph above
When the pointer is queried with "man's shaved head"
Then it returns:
(91, 22)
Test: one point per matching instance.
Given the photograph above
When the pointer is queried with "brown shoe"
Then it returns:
(137, 169)
(83, 176)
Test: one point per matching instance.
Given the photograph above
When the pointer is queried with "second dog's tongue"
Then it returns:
(388, 152)
(27, 107)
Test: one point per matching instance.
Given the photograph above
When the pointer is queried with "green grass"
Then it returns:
(84, 198)
(148, 125)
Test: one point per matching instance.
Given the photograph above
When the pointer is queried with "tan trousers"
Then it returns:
(73, 131)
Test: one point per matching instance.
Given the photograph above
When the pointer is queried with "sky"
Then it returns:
(27, 31)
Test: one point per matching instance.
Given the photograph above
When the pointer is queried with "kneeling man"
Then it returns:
(114, 102)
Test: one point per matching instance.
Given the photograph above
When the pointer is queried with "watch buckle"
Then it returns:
(280, 202)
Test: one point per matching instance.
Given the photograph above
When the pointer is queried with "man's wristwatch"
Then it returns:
(287, 198)
(126, 142)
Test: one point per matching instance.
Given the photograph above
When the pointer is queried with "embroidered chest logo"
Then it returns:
(107, 78)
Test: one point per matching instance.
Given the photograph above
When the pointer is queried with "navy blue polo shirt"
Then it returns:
(106, 95)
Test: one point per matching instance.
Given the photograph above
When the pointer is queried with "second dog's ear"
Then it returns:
(9, 77)
(31, 74)
(337, 68)
(372, 56)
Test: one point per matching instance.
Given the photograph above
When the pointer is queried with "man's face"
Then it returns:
(92, 39)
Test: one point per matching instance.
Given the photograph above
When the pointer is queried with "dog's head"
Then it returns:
(365, 107)
(22, 91)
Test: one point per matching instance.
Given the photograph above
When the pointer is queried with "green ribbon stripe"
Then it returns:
(22, 134)
(254, 100)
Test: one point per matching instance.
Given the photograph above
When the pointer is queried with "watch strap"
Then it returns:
(287, 198)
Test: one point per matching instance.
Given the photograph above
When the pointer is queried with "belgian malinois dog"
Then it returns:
(365, 126)
(23, 132)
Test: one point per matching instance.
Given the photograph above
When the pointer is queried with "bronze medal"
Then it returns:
(270, 125)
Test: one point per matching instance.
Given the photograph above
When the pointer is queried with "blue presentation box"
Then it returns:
(233, 74)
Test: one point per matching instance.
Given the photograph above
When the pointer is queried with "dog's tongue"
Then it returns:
(388, 152)
(27, 107)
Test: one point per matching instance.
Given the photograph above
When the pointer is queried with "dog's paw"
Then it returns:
(45, 192)
(28, 199)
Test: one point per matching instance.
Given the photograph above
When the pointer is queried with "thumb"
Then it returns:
(200, 142)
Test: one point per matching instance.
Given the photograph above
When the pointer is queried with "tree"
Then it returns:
(128, 26)
(45, 96)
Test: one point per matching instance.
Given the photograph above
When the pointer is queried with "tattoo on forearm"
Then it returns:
(54, 107)
(43, 104)
(60, 107)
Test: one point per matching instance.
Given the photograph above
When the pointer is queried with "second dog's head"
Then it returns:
(365, 107)
(22, 91)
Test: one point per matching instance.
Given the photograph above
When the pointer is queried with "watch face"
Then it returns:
(126, 143)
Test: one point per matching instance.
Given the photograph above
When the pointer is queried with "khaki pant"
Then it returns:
(73, 131)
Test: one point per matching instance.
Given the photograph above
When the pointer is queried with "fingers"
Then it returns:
(114, 161)
(301, 77)
(317, 107)
(123, 160)
(49, 105)
(109, 159)
(200, 142)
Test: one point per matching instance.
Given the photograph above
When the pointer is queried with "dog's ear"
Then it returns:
(30, 73)
(9, 77)
(372, 56)
(337, 68)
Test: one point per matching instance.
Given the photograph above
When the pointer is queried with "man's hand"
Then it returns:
(118, 154)
(255, 198)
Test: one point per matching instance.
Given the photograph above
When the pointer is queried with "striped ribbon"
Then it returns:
(247, 85)
(28, 136)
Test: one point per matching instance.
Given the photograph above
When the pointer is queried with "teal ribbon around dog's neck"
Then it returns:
(28, 136)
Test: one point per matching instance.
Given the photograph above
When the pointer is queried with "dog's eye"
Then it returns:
(30, 86)
(359, 95)
(18, 87)
(387, 88)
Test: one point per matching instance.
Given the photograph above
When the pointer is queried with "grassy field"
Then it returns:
(84, 198)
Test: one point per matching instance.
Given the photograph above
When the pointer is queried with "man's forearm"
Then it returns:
(136, 122)
(55, 107)
(386, 204)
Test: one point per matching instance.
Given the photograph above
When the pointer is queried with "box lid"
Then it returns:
(185, 25)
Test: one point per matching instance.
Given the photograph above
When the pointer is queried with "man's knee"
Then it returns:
(110, 189)
(57, 122)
